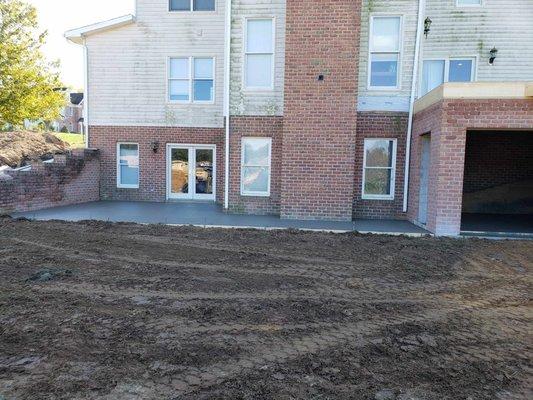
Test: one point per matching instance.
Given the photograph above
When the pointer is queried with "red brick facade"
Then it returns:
(255, 127)
(320, 119)
(386, 125)
(70, 179)
(152, 166)
(448, 122)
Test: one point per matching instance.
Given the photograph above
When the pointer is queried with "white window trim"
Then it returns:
(245, 56)
(120, 185)
(191, 81)
(251, 193)
(457, 4)
(473, 73)
(393, 171)
(191, 10)
(398, 86)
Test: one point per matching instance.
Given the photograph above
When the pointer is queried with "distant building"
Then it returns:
(71, 116)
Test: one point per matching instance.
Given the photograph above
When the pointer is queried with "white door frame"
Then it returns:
(192, 195)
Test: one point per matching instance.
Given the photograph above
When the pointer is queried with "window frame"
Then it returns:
(119, 183)
(245, 56)
(457, 4)
(190, 79)
(248, 193)
(393, 169)
(398, 86)
(447, 60)
(191, 8)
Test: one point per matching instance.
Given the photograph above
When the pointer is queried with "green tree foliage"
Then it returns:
(28, 83)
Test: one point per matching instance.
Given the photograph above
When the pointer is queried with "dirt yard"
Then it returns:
(103, 311)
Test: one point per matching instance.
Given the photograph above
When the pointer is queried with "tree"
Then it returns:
(30, 87)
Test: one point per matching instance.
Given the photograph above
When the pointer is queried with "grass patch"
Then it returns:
(75, 140)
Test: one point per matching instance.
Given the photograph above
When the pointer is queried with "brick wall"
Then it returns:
(320, 119)
(70, 179)
(152, 166)
(386, 125)
(255, 127)
(497, 158)
(448, 122)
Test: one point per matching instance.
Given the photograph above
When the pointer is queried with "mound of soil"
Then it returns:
(17, 148)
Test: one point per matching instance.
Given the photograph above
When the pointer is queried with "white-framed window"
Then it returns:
(191, 5)
(385, 52)
(436, 72)
(256, 156)
(259, 54)
(379, 169)
(191, 79)
(469, 3)
(128, 165)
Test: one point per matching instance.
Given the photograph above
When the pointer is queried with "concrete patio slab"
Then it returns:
(207, 214)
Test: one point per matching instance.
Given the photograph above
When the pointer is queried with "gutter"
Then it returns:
(416, 65)
(227, 89)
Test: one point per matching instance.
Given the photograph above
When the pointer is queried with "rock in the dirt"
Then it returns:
(46, 275)
(140, 300)
(385, 394)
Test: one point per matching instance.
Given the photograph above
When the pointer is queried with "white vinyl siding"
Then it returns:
(385, 52)
(256, 156)
(128, 165)
(191, 79)
(379, 169)
(259, 54)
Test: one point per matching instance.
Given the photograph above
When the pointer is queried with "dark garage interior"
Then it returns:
(498, 182)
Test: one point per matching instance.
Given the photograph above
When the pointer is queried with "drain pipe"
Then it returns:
(419, 30)
(86, 94)
(227, 88)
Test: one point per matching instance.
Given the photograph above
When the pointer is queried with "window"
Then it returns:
(182, 88)
(379, 172)
(259, 54)
(255, 166)
(128, 165)
(192, 5)
(436, 72)
(468, 3)
(385, 45)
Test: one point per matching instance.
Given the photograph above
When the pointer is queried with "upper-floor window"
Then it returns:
(191, 79)
(436, 72)
(259, 54)
(385, 49)
(468, 3)
(192, 5)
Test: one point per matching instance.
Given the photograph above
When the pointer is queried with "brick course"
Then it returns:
(448, 122)
(320, 119)
(70, 179)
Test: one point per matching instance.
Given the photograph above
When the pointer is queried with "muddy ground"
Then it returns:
(116, 311)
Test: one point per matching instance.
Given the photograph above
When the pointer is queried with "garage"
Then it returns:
(498, 183)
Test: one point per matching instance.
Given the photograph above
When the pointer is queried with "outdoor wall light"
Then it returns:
(427, 26)
(154, 146)
(493, 54)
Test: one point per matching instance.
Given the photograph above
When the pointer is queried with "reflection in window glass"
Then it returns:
(255, 177)
(433, 75)
(460, 71)
(379, 168)
(128, 163)
(385, 45)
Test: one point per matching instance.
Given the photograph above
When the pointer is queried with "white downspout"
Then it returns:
(86, 92)
(419, 30)
(227, 86)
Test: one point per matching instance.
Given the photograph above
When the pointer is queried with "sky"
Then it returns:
(58, 16)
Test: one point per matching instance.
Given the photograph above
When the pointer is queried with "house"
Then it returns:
(72, 115)
(317, 109)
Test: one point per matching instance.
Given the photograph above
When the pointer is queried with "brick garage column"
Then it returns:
(320, 115)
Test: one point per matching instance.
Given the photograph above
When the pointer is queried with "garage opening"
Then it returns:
(498, 183)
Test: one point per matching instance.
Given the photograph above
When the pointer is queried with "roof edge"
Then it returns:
(77, 35)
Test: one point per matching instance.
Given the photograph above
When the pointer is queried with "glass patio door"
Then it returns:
(191, 172)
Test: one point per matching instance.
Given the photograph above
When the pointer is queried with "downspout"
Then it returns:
(419, 30)
(227, 86)
(86, 94)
